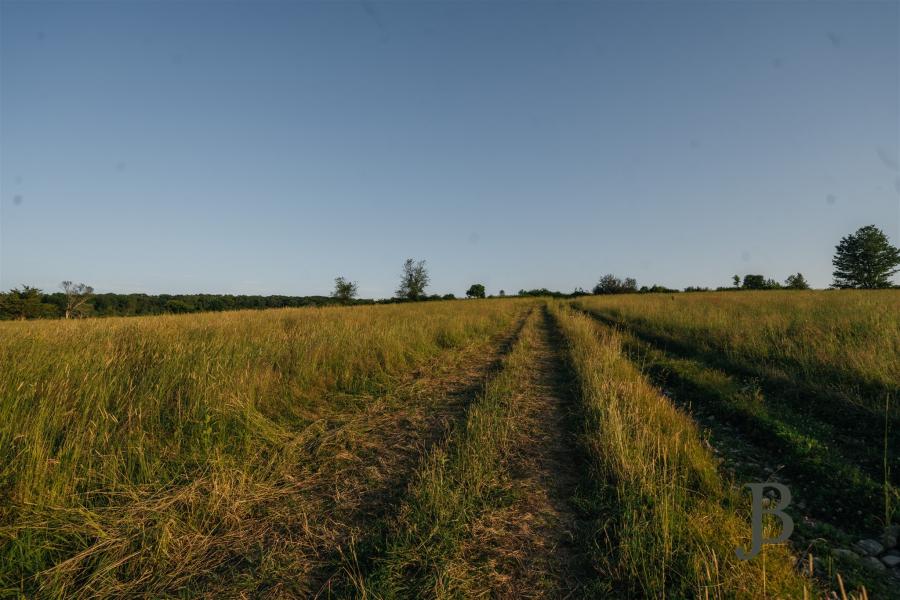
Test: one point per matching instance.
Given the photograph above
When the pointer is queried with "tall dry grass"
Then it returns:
(671, 523)
(419, 555)
(128, 445)
(824, 368)
(846, 341)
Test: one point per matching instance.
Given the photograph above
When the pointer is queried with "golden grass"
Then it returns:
(457, 482)
(241, 454)
(134, 451)
(672, 524)
(842, 340)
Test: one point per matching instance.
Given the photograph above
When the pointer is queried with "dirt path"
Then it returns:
(530, 548)
(354, 468)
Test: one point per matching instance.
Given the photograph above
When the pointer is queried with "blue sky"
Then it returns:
(269, 147)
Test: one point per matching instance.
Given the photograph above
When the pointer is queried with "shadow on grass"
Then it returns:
(853, 405)
(839, 481)
(594, 500)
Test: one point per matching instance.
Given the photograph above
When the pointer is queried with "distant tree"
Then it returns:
(754, 282)
(448, 297)
(476, 290)
(413, 281)
(737, 281)
(865, 259)
(502, 293)
(541, 292)
(344, 289)
(610, 284)
(77, 295)
(656, 289)
(796, 282)
(179, 307)
(25, 303)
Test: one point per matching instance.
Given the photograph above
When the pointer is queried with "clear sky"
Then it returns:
(268, 147)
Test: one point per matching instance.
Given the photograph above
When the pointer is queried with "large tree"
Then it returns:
(77, 295)
(476, 290)
(865, 259)
(610, 284)
(413, 281)
(754, 282)
(796, 282)
(344, 289)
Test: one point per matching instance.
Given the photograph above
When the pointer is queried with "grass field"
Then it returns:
(487, 448)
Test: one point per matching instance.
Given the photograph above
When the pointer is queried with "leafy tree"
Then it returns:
(77, 295)
(610, 284)
(344, 290)
(796, 282)
(502, 293)
(476, 290)
(657, 289)
(179, 306)
(413, 281)
(25, 303)
(737, 281)
(865, 259)
(754, 282)
(540, 292)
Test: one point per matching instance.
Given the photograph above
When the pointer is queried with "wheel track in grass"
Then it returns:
(753, 449)
(358, 472)
(774, 429)
(843, 421)
(491, 511)
(532, 548)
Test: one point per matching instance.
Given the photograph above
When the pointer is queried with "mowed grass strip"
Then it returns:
(133, 452)
(533, 546)
(669, 524)
(419, 555)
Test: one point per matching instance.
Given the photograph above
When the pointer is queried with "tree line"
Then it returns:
(863, 260)
(32, 303)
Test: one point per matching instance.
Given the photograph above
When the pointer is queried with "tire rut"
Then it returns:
(531, 548)
(396, 445)
(357, 475)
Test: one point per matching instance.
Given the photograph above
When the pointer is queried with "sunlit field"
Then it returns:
(845, 342)
(593, 447)
(137, 454)
(799, 387)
